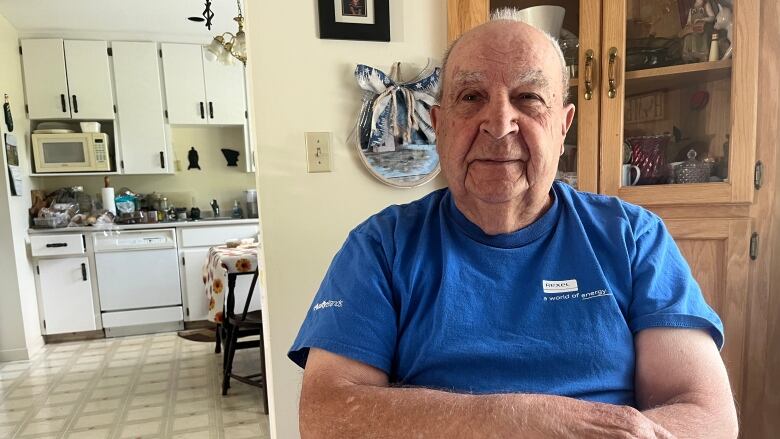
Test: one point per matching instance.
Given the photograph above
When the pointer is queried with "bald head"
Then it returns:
(506, 26)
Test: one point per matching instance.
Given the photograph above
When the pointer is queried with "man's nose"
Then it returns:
(500, 118)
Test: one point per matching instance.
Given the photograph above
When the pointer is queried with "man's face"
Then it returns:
(501, 122)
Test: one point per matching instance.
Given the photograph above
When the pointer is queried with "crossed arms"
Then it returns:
(681, 388)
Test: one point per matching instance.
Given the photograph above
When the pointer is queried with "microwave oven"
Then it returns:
(72, 152)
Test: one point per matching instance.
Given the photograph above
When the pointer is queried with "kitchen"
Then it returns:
(129, 156)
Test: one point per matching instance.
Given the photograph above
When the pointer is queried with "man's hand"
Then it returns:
(345, 398)
(610, 421)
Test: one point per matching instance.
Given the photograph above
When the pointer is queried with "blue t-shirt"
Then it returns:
(420, 292)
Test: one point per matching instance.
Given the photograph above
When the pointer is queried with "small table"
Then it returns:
(222, 266)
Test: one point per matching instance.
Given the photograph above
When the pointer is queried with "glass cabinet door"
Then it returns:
(672, 81)
(579, 37)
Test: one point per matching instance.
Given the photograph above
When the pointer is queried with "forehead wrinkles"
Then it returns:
(527, 77)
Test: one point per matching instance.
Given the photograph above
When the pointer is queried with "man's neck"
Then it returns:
(507, 217)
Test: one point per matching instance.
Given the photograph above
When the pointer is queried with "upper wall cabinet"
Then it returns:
(142, 128)
(67, 80)
(202, 92)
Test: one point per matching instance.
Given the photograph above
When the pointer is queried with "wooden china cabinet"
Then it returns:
(638, 103)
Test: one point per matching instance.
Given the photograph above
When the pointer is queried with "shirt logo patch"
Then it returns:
(328, 304)
(559, 286)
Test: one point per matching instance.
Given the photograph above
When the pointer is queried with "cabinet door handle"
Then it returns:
(57, 244)
(162, 159)
(612, 73)
(62, 101)
(202, 111)
(84, 271)
(75, 104)
(211, 109)
(589, 74)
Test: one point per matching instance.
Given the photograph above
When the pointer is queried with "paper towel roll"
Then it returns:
(108, 199)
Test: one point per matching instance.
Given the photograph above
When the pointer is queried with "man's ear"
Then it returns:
(568, 118)
(435, 116)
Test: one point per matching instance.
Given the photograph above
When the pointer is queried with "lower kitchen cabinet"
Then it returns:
(194, 244)
(192, 260)
(66, 295)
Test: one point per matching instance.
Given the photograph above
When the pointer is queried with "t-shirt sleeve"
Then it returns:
(352, 313)
(665, 293)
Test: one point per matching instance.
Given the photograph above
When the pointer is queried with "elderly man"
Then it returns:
(508, 305)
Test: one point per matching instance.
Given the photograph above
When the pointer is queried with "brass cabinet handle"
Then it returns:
(612, 81)
(589, 74)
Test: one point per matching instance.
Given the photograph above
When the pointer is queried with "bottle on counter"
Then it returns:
(162, 212)
(237, 212)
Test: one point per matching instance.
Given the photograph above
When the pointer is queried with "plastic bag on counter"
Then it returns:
(58, 215)
(125, 203)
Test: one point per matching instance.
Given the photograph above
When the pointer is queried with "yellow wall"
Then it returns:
(20, 334)
(302, 83)
(215, 180)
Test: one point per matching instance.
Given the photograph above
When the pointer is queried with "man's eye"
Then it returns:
(529, 96)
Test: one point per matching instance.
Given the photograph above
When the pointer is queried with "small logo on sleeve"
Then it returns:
(559, 286)
(328, 304)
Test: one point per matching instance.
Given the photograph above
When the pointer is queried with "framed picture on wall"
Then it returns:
(365, 20)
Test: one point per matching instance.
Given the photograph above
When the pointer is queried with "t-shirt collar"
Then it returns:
(527, 234)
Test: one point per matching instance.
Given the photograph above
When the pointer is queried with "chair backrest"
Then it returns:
(231, 300)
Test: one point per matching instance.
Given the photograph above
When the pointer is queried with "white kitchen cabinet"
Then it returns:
(45, 80)
(89, 80)
(201, 92)
(142, 129)
(194, 244)
(192, 260)
(225, 92)
(67, 79)
(66, 295)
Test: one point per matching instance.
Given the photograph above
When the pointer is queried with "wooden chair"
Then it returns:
(238, 326)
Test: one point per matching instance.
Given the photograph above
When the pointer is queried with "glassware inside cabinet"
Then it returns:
(677, 90)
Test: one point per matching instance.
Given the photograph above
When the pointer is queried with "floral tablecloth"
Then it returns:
(221, 261)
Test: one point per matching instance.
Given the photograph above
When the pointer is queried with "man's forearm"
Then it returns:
(691, 420)
(387, 412)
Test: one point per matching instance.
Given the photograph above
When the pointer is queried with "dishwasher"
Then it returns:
(138, 281)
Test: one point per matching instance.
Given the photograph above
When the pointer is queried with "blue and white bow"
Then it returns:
(400, 110)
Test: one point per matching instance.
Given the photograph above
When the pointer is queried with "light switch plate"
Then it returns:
(318, 157)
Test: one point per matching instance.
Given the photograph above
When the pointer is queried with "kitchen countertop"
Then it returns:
(162, 225)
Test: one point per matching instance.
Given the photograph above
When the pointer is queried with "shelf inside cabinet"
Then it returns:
(641, 81)
(573, 82)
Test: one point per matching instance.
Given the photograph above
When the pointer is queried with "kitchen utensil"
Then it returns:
(251, 203)
(626, 179)
(195, 213)
(53, 131)
(693, 170)
(547, 18)
(90, 127)
(9, 119)
(648, 153)
(54, 125)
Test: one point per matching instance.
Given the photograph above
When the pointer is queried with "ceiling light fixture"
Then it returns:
(226, 48)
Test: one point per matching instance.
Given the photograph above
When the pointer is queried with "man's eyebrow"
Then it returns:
(533, 77)
(465, 78)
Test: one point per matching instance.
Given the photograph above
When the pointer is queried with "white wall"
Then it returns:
(302, 83)
(19, 329)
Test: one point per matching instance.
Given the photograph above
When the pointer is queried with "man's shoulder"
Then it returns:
(598, 209)
(389, 220)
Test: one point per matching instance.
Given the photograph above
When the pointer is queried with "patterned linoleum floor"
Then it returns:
(155, 386)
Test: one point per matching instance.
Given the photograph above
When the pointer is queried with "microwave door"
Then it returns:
(59, 156)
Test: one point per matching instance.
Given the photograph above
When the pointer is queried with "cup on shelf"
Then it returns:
(90, 127)
(625, 179)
